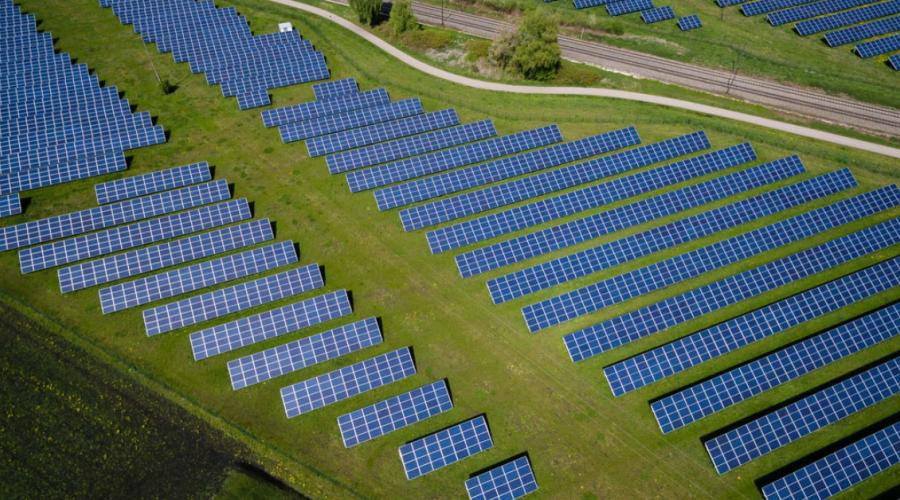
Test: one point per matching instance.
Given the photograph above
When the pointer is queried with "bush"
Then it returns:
(427, 39)
(477, 49)
(402, 18)
(532, 50)
(615, 28)
(577, 75)
(368, 11)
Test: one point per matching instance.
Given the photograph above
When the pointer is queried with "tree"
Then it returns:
(532, 50)
(402, 18)
(367, 11)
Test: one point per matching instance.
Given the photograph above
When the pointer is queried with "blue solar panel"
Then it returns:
(92, 219)
(621, 7)
(584, 4)
(688, 23)
(10, 204)
(878, 47)
(335, 123)
(547, 274)
(154, 182)
(459, 180)
(688, 265)
(198, 276)
(764, 6)
(656, 317)
(395, 413)
(25, 180)
(840, 470)
(346, 382)
(230, 300)
(335, 88)
(547, 182)
(379, 132)
(801, 418)
(514, 479)
(737, 447)
(849, 17)
(299, 354)
(134, 235)
(445, 447)
(692, 350)
(253, 99)
(548, 209)
(894, 61)
(315, 109)
(269, 324)
(657, 14)
(445, 160)
(863, 31)
(409, 146)
(812, 10)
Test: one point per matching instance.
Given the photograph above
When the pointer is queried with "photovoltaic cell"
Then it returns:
(764, 6)
(395, 413)
(584, 4)
(10, 204)
(154, 182)
(863, 31)
(878, 47)
(315, 109)
(299, 354)
(81, 168)
(687, 352)
(269, 324)
(812, 10)
(379, 132)
(445, 447)
(622, 7)
(334, 88)
(688, 23)
(513, 479)
(894, 62)
(329, 124)
(847, 18)
(346, 382)
(445, 160)
(223, 302)
(655, 15)
(688, 265)
(840, 470)
(676, 310)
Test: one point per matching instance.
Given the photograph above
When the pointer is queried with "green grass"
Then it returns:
(727, 40)
(583, 442)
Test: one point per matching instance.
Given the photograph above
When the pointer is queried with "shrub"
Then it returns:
(427, 39)
(367, 11)
(577, 75)
(402, 18)
(532, 50)
(477, 49)
(615, 28)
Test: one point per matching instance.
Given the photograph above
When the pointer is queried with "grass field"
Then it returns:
(728, 40)
(582, 442)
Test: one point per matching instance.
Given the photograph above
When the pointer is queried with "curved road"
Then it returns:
(597, 92)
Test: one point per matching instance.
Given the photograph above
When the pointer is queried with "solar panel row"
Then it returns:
(765, 6)
(894, 62)
(445, 447)
(621, 7)
(10, 204)
(812, 10)
(878, 47)
(335, 88)
(847, 18)
(688, 23)
(82, 168)
(314, 109)
(657, 14)
(514, 479)
(330, 124)
(863, 31)
(154, 182)
(584, 4)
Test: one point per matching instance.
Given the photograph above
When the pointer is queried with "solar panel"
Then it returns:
(299, 131)
(688, 265)
(10, 204)
(692, 350)
(659, 316)
(863, 31)
(299, 354)
(315, 109)
(849, 17)
(878, 47)
(379, 132)
(269, 324)
(840, 470)
(82, 168)
(230, 300)
(389, 415)
(801, 418)
(92, 219)
(504, 168)
(688, 23)
(514, 479)
(563, 269)
(343, 383)
(409, 146)
(451, 158)
(812, 10)
(335, 88)
(548, 209)
(445, 447)
(154, 182)
(134, 235)
(547, 182)
(196, 277)
(253, 99)
(584, 4)
(657, 14)
(894, 61)
(622, 7)
(764, 6)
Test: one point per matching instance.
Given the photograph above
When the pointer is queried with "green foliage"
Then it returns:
(477, 48)
(615, 28)
(368, 11)
(402, 18)
(577, 75)
(430, 39)
(532, 50)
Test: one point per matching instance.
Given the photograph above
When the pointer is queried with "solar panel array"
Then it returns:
(383, 417)
(334, 88)
(622, 7)
(688, 23)
(657, 14)
(812, 10)
(841, 469)
(82, 168)
(659, 316)
(514, 479)
(338, 385)
(314, 109)
(688, 265)
(154, 182)
(798, 419)
(329, 124)
(445, 447)
(299, 354)
(765, 6)
(219, 42)
(878, 47)
(584, 4)
(847, 18)
(862, 31)
(10, 204)
(692, 350)
(385, 131)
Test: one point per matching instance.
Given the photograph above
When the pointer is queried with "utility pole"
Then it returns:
(442, 13)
